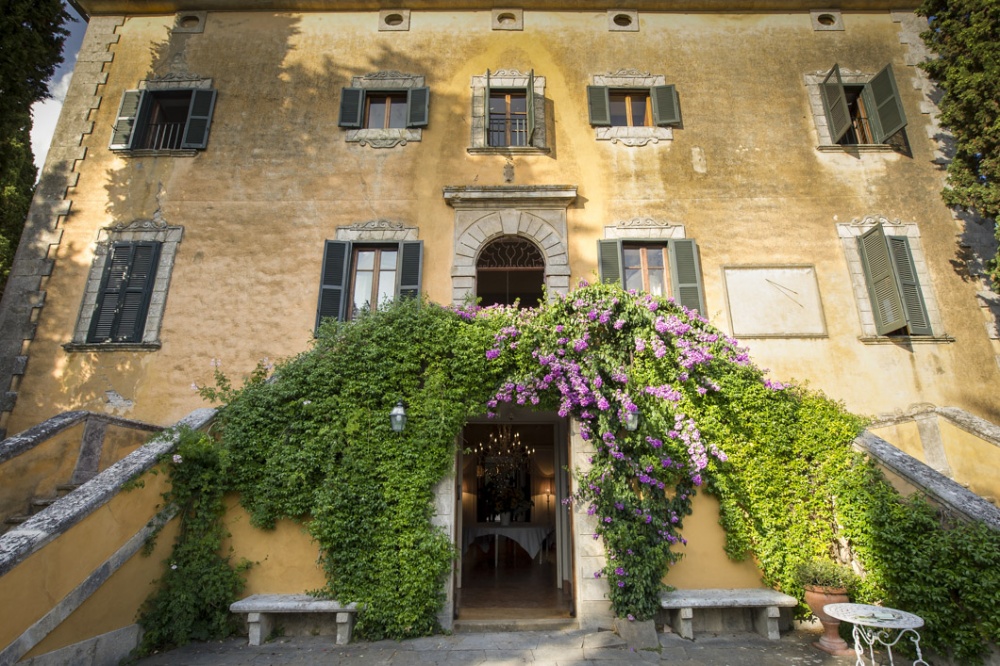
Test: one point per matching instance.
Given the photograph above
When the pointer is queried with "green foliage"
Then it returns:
(822, 572)
(31, 39)
(965, 35)
(193, 598)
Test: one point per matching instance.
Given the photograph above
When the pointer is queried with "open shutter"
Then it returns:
(887, 305)
(486, 110)
(122, 133)
(334, 281)
(529, 100)
(685, 269)
(352, 107)
(411, 260)
(199, 119)
(666, 106)
(417, 107)
(838, 114)
(137, 291)
(609, 262)
(885, 109)
(909, 287)
(598, 106)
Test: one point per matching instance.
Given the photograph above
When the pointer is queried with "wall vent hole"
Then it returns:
(624, 20)
(394, 19)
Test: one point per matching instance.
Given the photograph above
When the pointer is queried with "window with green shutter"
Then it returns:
(864, 111)
(896, 298)
(657, 106)
(164, 120)
(670, 268)
(361, 275)
(126, 287)
(362, 108)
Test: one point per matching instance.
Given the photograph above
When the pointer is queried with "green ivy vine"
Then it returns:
(313, 442)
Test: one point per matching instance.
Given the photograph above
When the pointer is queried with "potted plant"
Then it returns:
(827, 582)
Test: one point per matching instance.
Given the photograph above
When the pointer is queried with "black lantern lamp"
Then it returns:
(631, 421)
(397, 417)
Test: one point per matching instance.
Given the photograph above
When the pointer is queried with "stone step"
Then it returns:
(66, 488)
(41, 503)
(510, 624)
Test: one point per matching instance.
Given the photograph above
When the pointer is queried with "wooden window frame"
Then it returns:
(644, 249)
(376, 273)
(508, 117)
(390, 97)
(647, 120)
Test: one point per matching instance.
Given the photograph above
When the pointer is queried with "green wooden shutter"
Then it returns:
(411, 259)
(685, 271)
(486, 110)
(352, 107)
(126, 288)
(334, 281)
(417, 107)
(885, 109)
(887, 304)
(609, 262)
(838, 114)
(128, 109)
(599, 106)
(909, 287)
(199, 119)
(666, 106)
(529, 100)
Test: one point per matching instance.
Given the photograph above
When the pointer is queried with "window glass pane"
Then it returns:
(632, 257)
(397, 111)
(365, 260)
(518, 104)
(376, 112)
(619, 114)
(386, 285)
(387, 260)
(657, 285)
(362, 289)
(498, 103)
(639, 102)
(654, 257)
(633, 279)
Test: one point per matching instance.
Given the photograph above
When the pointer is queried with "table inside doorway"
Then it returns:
(528, 537)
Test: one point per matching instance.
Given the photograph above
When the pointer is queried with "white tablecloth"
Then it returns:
(529, 537)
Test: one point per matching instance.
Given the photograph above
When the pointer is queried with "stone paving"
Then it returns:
(552, 648)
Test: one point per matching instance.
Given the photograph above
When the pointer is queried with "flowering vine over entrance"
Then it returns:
(597, 355)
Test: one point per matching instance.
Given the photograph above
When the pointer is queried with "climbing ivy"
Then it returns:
(314, 442)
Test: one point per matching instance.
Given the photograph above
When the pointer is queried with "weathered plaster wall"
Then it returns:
(743, 176)
(973, 460)
(37, 471)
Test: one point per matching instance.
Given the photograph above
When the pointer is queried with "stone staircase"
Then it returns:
(36, 504)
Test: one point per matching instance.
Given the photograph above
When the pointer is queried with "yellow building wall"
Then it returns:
(973, 461)
(904, 436)
(38, 471)
(743, 176)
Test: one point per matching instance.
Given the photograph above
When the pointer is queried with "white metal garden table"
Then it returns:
(877, 625)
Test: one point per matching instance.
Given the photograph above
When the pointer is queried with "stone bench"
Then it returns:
(681, 604)
(261, 608)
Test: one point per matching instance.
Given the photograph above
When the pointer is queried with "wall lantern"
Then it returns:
(397, 417)
(631, 421)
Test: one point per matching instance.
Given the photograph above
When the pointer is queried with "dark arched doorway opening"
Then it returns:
(510, 269)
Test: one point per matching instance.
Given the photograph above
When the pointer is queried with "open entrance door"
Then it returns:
(513, 530)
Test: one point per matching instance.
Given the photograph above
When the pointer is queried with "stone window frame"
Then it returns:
(386, 81)
(376, 231)
(632, 136)
(154, 230)
(506, 78)
(848, 234)
(644, 228)
(826, 145)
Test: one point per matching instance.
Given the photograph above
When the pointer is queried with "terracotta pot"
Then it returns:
(816, 598)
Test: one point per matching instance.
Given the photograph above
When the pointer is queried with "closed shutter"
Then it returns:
(333, 281)
(598, 106)
(666, 106)
(529, 100)
(126, 287)
(411, 260)
(838, 114)
(122, 133)
(352, 107)
(486, 110)
(199, 119)
(887, 304)
(885, 109)
(417, 107)
(909, 287)
(609, 262)
(685, 270)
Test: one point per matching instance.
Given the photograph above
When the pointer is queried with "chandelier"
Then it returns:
(502, 455)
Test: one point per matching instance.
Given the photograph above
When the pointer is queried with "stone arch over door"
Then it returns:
(535, 213)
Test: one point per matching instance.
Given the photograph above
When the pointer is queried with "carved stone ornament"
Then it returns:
(384, 142)
(156, 224)
(645, 222)
(872, 220)
(505, 72)
(176, 76)
(627, 72)
(380, 224)
(390, 74)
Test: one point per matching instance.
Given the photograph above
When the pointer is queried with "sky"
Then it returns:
(46, 113)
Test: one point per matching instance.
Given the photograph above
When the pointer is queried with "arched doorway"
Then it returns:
(510, 269)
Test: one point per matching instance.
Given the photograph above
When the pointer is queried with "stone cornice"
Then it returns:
(510, 196)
